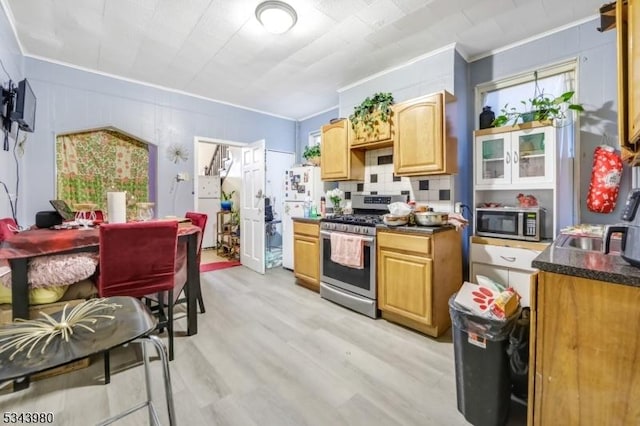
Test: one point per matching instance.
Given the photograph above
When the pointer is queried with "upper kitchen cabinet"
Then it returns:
(420, 143)
(378, 136)
(628, 36)
(515, 155)
(337, 160)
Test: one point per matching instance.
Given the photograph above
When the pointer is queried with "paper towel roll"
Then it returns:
(117, 207)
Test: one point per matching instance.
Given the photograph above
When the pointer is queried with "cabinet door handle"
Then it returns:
(509, 258)
(515, 157)
(508, 157)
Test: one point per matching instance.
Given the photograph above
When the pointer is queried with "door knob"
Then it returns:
(259, 194)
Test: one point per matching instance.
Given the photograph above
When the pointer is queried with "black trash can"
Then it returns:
(483, 383)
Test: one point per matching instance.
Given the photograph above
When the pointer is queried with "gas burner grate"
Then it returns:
(362, 220)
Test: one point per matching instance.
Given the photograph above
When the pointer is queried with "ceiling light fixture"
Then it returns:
(277, 17)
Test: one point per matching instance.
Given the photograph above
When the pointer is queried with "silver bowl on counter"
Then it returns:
(392, 220)
(431, 218)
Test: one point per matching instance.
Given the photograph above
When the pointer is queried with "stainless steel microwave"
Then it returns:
(510, 222)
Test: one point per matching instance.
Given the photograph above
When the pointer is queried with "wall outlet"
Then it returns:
(457, 208)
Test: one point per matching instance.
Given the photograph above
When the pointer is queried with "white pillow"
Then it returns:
(60, 270)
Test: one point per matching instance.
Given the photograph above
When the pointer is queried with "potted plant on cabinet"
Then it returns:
(312, 154)
(226, 203)
(368, 117)
(541, 107)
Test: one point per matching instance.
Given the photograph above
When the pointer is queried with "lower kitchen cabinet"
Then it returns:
(585, 339)
(417, 273)
(306, 254)
(505, 261)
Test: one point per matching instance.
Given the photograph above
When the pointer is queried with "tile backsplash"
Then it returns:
(436, 191)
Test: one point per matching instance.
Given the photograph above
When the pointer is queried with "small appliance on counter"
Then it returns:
(516, 223)
(630, 229)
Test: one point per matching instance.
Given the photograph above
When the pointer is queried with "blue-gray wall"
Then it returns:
(70, 100)
(458, 117)
(597, 90)
(309, 125)
(13, 64)
(422, 77)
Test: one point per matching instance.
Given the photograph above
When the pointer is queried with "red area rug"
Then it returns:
(214, 266)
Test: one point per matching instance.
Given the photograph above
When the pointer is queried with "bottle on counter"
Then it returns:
(314, 210)
(306, 207)
(323, 207)
(412, 214)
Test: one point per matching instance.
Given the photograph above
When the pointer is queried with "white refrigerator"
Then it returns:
(209, 203)
(299, 183)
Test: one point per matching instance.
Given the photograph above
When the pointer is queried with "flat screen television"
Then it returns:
(24, 112)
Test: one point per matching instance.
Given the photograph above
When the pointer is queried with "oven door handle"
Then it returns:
(328, 234)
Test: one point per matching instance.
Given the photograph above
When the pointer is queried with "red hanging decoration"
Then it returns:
(605, 180)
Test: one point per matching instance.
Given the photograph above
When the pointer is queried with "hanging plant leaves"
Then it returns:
(370, 110)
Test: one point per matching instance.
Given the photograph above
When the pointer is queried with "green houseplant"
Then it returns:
(541, 107)
(312, 154)
(235, 220)
(371, 112)
(226, 202)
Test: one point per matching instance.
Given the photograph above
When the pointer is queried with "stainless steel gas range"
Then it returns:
(351, 287)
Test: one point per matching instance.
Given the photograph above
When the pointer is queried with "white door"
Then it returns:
(252, 206)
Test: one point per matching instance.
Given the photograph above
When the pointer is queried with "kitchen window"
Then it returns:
(315, 138)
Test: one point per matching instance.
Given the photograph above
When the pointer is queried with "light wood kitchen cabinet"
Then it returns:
(381, 136)
(337, 161)
(306, 254)
(420, 142)
(505, 261)
(417, 273)
(585, 352)
(628, 41)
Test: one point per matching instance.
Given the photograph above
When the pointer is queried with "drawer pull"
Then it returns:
(509, 258)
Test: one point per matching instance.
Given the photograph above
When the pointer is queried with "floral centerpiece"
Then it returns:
(335, 196)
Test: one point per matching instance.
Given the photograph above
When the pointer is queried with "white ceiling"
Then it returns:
(218, 50)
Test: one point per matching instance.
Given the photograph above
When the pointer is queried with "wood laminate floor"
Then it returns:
(269, 352)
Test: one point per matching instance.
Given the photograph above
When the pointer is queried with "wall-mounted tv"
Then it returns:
(24, 112)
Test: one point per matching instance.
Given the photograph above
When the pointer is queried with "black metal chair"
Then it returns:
(132, 322)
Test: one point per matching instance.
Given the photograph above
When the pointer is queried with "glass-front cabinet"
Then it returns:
(521, 157)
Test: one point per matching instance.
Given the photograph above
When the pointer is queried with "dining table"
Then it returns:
(19, 248)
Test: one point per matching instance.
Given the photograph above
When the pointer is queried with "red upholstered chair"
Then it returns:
(8, 227)
(99, 216)
(138, 259)
(199, 220)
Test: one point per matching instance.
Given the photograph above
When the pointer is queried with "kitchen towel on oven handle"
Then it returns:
(605, 180)
(347, 250)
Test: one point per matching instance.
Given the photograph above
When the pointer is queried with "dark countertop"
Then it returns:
(415, 229)
(308, 219)
(404, 228)
(587, 264)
